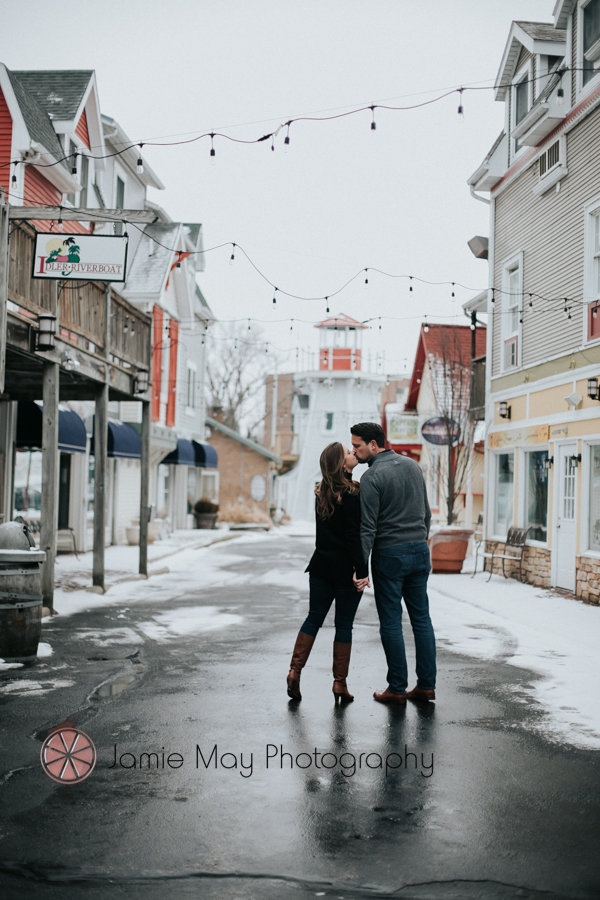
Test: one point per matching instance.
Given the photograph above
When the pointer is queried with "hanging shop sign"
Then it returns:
(402, 429)
(435, 431)
(86, 257)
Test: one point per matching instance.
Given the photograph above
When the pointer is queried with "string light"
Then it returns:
(453, 289)
(13, 180)
(410, 282)
(530, 301)
(493, 298)
(232, 257)
(327, 302)
(461, 110)
(426, 326)
(59, 224)
(366, 276)
(212, 149)
(595, 312)
(373, 123)
(140, 162)
(275, 298)
(179, 259)
(286, 140)
(292, 325)
(74, 167)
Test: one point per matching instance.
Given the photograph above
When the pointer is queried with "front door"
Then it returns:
(565, 519)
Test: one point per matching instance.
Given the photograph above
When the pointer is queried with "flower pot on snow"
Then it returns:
(448, 549)
(205, 520)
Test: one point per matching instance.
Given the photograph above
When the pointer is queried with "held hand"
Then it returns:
(361, 583)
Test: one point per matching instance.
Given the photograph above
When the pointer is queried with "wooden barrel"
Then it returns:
(20, 604)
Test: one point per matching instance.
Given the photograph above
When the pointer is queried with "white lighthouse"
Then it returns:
(326, 403)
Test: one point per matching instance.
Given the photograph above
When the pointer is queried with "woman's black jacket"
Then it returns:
(339, 551)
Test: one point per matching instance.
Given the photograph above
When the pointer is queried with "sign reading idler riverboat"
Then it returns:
(86, 257)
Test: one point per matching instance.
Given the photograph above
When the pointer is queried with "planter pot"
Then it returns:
(448, 550)
(205, 520)
(133, 533)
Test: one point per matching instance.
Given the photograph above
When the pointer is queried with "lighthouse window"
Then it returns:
(328, 421)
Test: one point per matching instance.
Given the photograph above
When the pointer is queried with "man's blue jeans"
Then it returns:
(402, 572)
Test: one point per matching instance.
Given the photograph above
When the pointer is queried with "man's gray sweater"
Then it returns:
(393, 502)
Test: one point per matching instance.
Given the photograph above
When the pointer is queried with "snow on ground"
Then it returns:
(552, 635)
(188, 620)
(29, 687)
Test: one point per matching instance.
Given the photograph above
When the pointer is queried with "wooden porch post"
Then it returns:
(49, 503)
(100, 448)
(144, 487)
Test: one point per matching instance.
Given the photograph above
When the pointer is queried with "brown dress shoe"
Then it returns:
(388, 697)
(418, 693)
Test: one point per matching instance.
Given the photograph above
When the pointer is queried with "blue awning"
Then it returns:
(183, 455)
(123, 441)
(206, 455)
(71, 429)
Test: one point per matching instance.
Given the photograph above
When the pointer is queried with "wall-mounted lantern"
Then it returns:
(593, 389)
(575, 460)
(141, 382)
(548, 462)
(504, 410)
(46, 332)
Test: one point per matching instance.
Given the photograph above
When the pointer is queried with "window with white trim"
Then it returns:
(590, 27)
(594, 513)
(592, 271)
(512, 294)
(504, 492)
(521, 99)
(536, 495)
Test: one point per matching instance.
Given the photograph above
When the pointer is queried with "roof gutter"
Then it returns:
(477, 196)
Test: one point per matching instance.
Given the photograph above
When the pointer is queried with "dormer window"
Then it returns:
(521, 100)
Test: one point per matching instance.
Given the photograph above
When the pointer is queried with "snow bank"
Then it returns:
(554, 636)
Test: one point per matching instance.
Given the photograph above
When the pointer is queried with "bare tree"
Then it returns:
(451, 375)
(237, 363)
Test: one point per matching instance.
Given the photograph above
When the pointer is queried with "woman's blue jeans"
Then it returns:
(322, 594)
(402, 572)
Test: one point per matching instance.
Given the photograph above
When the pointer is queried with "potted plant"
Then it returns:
(205, 513)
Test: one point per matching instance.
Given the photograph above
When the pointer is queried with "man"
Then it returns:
(395, 518)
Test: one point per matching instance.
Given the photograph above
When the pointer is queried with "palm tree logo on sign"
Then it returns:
(68, 755)
(59, 250)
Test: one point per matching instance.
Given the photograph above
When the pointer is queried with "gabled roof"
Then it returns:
(561, 12)
(36, 119)
(542, 31)
(194, 228)
(236, 436)
(58, 92)
(537, 37)
(340, 321)
(437, 344)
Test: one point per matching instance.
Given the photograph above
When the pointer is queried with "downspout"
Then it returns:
(489, 405)
(477, 196)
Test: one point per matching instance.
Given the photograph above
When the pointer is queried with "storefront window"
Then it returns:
(191, 489)
(595, 498)
(28, 483)
(209, 487)
(536, 499)
(162, 490)
(505, 476)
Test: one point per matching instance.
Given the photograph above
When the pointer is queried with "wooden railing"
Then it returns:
(129, 332)
(81, 306)
(287, 445)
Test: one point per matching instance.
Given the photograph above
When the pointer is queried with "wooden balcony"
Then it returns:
(287, 448)
(122, 337)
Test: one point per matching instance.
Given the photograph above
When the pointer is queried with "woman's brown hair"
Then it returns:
(335, 481)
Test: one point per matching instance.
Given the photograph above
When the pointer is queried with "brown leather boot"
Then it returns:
(418, 693)
(302, 649)
(341, 663)
(387, 697)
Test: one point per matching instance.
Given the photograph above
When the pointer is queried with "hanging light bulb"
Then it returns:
(530, 301)
(74, 166)
(327, 302)
(248, 324)
(13, 180)
(366, 276)
(140, 162)
(373, 123)
(461, 110)
(292, 326)
(380, 323)
(232, 257)
(59, 224)
(179, 259)
(286, 140)
(453, 289)
(426, 326)
(595, 312)
(275, 297)
(493, 298)
(212, 150)
(410, 277)
(560, 96)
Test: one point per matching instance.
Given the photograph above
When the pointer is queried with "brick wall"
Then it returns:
(237, 465)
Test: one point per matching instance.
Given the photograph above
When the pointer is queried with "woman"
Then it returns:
(337, 557)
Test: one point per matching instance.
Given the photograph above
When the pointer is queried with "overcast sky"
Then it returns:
(344, 196)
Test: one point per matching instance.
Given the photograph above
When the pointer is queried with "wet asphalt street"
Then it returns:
(458, 800)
